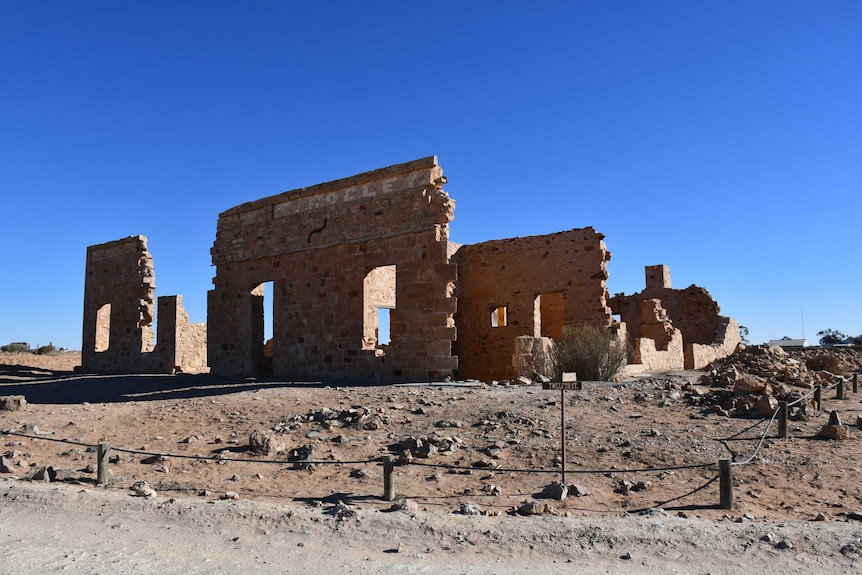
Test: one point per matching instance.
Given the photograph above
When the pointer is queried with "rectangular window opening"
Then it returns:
(263, 316)
(103, 328)
(548, 315)
(148, 323)
(379, 309)
(499, 317)
(384, 326)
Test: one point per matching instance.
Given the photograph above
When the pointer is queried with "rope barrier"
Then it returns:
(741, 431)
(812, 392)
(760, 443)
(579, 471)
(54, 439)
(772, 419)
(725, 465)
(199, 457)
(358, 461)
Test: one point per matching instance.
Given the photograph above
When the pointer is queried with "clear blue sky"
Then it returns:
(723, 139)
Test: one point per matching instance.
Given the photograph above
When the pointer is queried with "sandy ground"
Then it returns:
(801, 490)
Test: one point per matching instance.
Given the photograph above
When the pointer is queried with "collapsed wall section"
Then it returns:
(119, 309)
(531, 286)
(660, 345)
(706, 335)
(338, 255)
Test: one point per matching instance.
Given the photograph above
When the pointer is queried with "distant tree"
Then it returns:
(831, 336)
(743, 333)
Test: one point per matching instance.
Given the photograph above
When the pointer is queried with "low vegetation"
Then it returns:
(594, 353)
(16, 347)
(23, 347)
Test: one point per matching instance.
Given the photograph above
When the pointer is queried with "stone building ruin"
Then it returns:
(337, 253)
(365, 285)
(119, 308)
(675, 329)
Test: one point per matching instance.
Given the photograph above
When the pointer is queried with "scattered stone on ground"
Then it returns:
(13, 403)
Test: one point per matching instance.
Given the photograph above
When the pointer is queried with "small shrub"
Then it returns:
(18, 346)
(594, 353)
(824, 362)
(46, 349)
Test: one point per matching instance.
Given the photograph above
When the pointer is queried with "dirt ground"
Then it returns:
(638, 453)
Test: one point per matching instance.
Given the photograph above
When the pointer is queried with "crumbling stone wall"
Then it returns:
(180, 339)
(355, 259)
(692, 311)
(119, 306)
(318, 245)
(727, 341)
(530, 286)
(533, 355)
(660, 346)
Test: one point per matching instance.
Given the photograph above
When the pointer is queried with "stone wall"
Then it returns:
(727, 341)
(533, 355)
(366, 285)
(318, 245)
(530, 286)
(186, 342)
(692, 311)
(118, 334)
(660, 345)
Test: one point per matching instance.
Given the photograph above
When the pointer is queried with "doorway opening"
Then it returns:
(548, 315)
(103, 328)
(379, 309)
(262, 325)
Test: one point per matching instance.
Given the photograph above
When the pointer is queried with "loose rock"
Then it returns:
(469, 508)
(404, 505)
(13, 403)
(265, 443)
(555, 490)
(143, 489)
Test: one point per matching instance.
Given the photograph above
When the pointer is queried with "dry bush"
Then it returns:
(594, 353)
(18, 346)
(824, 362)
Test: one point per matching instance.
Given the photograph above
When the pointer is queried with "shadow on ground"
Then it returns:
(65, 387)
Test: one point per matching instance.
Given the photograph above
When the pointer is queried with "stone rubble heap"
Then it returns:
(751, 382)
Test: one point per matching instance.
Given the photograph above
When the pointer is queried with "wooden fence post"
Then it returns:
(388, 477)
(725, 474)
(839, 391)
(102, 455)
(818, 400)
(782, 419)
(855, 383)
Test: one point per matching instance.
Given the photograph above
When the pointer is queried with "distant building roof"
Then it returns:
(789, 342)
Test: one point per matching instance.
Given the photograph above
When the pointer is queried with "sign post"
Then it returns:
(569, 383)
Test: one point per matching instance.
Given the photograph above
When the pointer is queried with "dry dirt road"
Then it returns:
(331, 518)
(60, 528)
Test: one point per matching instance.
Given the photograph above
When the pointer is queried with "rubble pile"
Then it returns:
(357, 417)
(843, 361)
(424, 447)
(751, 382)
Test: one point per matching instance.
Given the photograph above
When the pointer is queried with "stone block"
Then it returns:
(13, 403)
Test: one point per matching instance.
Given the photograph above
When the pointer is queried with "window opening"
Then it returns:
(384, 326)
(379, 309)
(548, 315)
(262, 324)
(148, 324)
(103, 327)
(498, 317)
